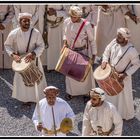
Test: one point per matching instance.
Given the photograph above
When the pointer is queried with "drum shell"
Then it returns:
(111, 85)
(30, 73)
(73, 64)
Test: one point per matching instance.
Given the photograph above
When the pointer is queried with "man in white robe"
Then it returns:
(16, 45)
(90, 12)
(101, 117)
(55, 17)
(71, 27)
(6, 16)
(133, 24)
(110, 18)
(52, 111)
(37, 12)
(125, 67)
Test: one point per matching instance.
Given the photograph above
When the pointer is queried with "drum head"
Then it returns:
(19, 67)
(100, 74)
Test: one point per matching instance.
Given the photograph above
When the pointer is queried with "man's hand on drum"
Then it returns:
(16, 58)
(122, 76)
(39, 127)
(30, 56)
(103, 65)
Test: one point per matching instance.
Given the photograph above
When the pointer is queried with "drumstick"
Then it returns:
(37, 103)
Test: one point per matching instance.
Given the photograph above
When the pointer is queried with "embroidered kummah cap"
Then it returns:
(24, 15)
(75, 11)
(124, 32)
(98, 91)
(49, 88)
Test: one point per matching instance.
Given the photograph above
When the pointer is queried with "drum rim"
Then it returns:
(104, 77)
(29, 63)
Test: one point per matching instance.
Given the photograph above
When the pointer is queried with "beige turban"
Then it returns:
(75, 11)
(50, 88)
(98, 91)
(24, 15)
(124, 32)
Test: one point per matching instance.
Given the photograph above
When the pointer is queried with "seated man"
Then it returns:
(101, 117)
(53, 111)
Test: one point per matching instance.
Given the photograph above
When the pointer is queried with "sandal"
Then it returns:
(27, 104)
(68, 97)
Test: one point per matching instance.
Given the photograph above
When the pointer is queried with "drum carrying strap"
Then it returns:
(122, 57)
(80, 29)
(27, 49)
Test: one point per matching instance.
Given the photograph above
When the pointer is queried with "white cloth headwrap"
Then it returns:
(50, 87)
(75, 11)
(124, 32)
(24, 15)
(98, 91)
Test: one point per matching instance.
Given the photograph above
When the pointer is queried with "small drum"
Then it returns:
(108, 80)
(29, 72)
(73, 64)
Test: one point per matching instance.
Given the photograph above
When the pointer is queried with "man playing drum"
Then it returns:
(122, 55)
(52, 112)
(101, 117)
(16, 47)
(84, 44)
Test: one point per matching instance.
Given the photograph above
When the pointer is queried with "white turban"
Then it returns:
(49, 88)
(75, 11)
(124, 32)
(98, 91)
(24, 15)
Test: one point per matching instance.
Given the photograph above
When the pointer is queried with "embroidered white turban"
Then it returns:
(24, 15)
(124, 32)
(75, 11)
(49, 88)
(99, 92)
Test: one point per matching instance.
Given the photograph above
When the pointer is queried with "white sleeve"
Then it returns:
(41, 18)
(117, 121)
(86, 127)
(135, 62)
(9, 44)
(64, 29)
(69, 111)
(107, 52)
(90, 34)
(35, 118)
(39, 45)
